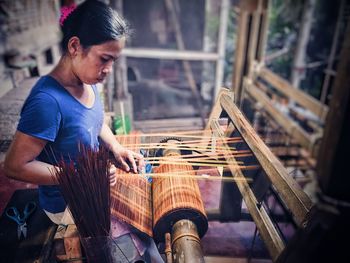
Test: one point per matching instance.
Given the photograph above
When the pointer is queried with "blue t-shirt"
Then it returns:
(51, 113)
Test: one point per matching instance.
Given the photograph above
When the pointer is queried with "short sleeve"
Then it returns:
(40, 117)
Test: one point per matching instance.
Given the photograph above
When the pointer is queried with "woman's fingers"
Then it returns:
(140, 160)
(123, 164)
(113, 181)
(112, 175)
(131, 158)
(112, 169)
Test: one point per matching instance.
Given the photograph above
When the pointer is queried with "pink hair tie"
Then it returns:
(65, 12)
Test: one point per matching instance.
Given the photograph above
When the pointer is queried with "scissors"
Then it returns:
(13, 213)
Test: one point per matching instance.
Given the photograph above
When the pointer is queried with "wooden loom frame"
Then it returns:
(289, 191)
(252, 80)
(291, 194)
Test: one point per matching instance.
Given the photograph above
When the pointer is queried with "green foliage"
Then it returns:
(282, 66)
(283, 26)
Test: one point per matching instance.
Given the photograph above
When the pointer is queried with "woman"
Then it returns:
(64, 108)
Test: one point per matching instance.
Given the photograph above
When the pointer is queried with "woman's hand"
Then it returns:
(128, 159)
(112, 175)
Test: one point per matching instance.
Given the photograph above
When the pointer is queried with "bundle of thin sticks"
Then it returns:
(84, 184)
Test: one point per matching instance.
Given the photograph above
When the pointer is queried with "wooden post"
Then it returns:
(208, 43)
(330, 63)
(289, 191)
(261, 45)
(303, 39)
(259, 214)
(224, 13)
(335, 147)
(254, 36)
(120, 68)
(320, 240)
(187, 66)
(240, 68)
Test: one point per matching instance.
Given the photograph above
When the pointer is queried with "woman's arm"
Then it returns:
(121, 154)
(20, 163)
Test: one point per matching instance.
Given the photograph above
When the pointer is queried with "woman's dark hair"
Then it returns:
(94, 23)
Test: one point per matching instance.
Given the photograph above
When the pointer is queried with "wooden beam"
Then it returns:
(164, 125)
(332, 54)
(335, 148)
(230, 205)
(290, 126)
(240, 54)
(289, 191)
(253, 36)
(169, 54)
(261, 218)
(295, 94)
(219, 74)
(264, 25)
(216, 110)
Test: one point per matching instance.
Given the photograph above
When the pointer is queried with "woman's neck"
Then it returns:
(64, 74)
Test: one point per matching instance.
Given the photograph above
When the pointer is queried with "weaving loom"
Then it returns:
(170, 208)
(251, 169)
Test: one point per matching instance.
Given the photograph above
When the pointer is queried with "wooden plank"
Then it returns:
(72, 244)
(290, 126)
(248, 5)
(240, 54)
(216, 110)
(295, 94)
(66, 244)
(58, 244)
(219, 74)
(230, 197)
(253, 36)
(262, 220)
(167, 125)
(263, 31)
(170, 54)
(290, 192)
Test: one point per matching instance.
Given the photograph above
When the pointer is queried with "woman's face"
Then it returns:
(93, 64)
